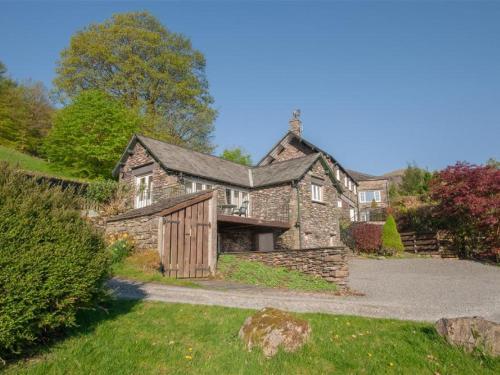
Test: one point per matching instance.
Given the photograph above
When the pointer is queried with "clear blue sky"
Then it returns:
(379, 84)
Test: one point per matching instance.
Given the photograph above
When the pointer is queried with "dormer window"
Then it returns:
(144, 190)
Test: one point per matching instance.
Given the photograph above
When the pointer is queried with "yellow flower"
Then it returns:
(369, 354)
(188, 357)
(190, 349)
(353, 336)
(391, 364)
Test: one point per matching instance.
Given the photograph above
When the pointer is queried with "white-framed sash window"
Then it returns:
(369, 196)
(353, 214)
(193, 186)
(337, 174)
(316, 192)
(144, 190)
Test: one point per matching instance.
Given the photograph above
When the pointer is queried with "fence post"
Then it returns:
(415, 243)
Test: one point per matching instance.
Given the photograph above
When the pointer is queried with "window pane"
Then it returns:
(208, 187)
(228, 196)
(189, 187)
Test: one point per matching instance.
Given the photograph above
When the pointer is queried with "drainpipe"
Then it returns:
(298, 224)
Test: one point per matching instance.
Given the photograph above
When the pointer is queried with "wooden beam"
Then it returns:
(249, 221)
(185, 204)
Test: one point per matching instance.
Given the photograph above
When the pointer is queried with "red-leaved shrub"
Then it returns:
(468, 205)
(367, 237)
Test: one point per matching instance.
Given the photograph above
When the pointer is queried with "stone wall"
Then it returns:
(142, 230)
(236, 240)
(161, 179)
(319, 220)
(328, 263)
(271, 203)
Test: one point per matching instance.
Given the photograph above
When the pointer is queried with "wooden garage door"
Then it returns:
(185, 241)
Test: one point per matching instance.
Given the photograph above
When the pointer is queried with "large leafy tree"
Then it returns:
(90, 134)
(133, 57)
(25, 113)
(415, 181)
(468, 205)
(238, 155)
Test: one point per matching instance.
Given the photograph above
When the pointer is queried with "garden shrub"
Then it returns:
(391, 240)
(101, 191)
(468, 206)
(367, 237)
(52, 262)
(118, 250)
(107, 196)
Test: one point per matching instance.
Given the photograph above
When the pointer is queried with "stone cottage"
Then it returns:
(293, 199)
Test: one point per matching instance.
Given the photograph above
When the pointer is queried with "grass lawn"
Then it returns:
(33, 164)
(158, 338)
(231, 268)
(142, 266)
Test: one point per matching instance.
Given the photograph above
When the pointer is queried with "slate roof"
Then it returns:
(157, 207)
(214, 168)
(311, 146)
(283, 171)
(360, 176)
(196, 163)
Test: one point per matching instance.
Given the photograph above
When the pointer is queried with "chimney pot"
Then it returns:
(295, 123)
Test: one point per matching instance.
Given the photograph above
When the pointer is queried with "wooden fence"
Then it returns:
(426, 243)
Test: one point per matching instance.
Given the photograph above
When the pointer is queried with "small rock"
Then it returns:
(470, 333)
(271, 328)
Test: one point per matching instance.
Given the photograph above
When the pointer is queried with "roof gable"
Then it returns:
(310, 145)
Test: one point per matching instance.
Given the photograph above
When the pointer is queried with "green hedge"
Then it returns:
(391, 240)
(52, 263)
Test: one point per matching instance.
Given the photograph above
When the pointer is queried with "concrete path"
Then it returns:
(410, 289)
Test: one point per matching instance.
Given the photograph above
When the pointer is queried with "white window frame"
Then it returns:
(194, 182)
(352, 214)
(143, 197)
(339, 203)
(337, 174)
(376, 195)
(350, 185)
(237, 197)
(316, 192)
(345, 181)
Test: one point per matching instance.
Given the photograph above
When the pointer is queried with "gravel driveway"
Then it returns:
(427, 289)
(412, 289)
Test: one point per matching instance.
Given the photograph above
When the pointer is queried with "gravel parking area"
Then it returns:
(411, 289)
(429, 288)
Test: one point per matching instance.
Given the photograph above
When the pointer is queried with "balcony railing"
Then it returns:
(258, 210)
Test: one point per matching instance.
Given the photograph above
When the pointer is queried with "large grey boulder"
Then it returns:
(471, 333)
(271, 328)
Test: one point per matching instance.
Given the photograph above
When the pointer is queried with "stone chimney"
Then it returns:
(295, 123)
